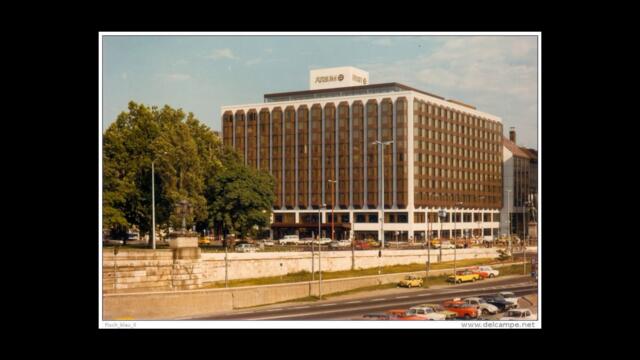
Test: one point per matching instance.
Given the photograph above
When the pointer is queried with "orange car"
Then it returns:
(461, 309)
(483, 274)
(398, 314)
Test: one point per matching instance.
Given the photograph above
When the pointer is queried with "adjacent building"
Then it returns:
(519, 213)
(347, 146)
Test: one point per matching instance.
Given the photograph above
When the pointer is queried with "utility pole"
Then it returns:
(226, 266)
(381, 145)
(455, 241)
(153, 207)
(333, 206)
(313, 259)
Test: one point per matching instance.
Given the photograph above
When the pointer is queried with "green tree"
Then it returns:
(240, 197)
(185, 153)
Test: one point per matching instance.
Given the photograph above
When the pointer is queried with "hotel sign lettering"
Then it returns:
(331, 78)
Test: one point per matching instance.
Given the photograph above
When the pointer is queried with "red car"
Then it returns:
(362, 245)
(461, 309)
(483, 274)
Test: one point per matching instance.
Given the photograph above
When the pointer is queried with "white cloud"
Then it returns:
(496, 74)
(225, 53)
(253, 61)
(176, 77)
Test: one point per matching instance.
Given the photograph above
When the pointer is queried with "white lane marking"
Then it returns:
(353, 302)
(327, 304)
(380, 299)
(300, 307)
(401, 297)
(338, 310)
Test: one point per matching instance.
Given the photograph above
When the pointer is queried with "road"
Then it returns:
(355, 308)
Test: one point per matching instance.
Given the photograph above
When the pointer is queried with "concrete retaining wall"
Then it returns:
(184, 304)
(149, 270)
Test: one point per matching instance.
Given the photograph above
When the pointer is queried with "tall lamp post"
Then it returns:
(381, 145)
(442, 214)
(153, 202)
(333, 206)
(509, 219)
(320, 254)
(455, 240)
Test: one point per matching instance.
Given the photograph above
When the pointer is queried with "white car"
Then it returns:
(322, 241)
(425, 312)
(246, 248)
(340, 244)
(519, 314)
(447, 245)
(510, 297)
(488, 269)
(482, 305)
(289, 239)
(268, 242)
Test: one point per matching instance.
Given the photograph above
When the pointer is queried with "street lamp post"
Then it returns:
(320, 261)
(509, 220)
(442, 214)
(153, 203)
(333, 206)
(381, 145)
(455, 241)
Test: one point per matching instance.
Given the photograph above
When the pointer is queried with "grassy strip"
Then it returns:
(306, 276)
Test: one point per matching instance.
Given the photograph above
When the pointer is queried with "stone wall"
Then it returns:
(186, 304)
(149, 270)
(157, 270)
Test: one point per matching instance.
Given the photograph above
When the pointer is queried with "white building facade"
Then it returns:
(335, 149)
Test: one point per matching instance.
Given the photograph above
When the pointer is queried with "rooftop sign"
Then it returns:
(329, 78)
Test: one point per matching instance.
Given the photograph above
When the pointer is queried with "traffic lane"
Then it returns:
(356, 313)
(496, 285)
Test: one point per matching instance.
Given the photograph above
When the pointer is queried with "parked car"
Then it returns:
(376, 316)
(463, 276)
(398, 314)
(362, 245)
(519, 314)
(204, 241)
(485, 271)
(322, 241)
(289, 239)
(306, 240)
(246, 248)
(411, 281)
(441, 310)
(499, 302)
(462, 309)
(426, 312)
(340, 244)
(510, 297)
(268, 242)
(483, 306)
(447, 245)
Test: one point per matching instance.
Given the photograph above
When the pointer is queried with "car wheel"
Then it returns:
(473, 280)
(467, 317)
(491, 275)
(485, 311)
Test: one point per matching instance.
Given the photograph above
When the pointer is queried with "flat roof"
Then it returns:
(390, 85)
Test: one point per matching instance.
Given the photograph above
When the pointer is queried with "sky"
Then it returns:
(496, 74)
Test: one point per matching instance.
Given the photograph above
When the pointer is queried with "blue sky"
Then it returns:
(497, 74)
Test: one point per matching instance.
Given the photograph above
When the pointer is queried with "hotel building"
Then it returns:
(320, 146)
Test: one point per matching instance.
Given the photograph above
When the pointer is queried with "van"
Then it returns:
(289, 239)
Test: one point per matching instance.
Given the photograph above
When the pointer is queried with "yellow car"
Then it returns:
(411, 281)
(464, 276)
(204, 241)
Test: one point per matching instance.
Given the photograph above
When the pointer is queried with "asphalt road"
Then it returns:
(355, 308)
